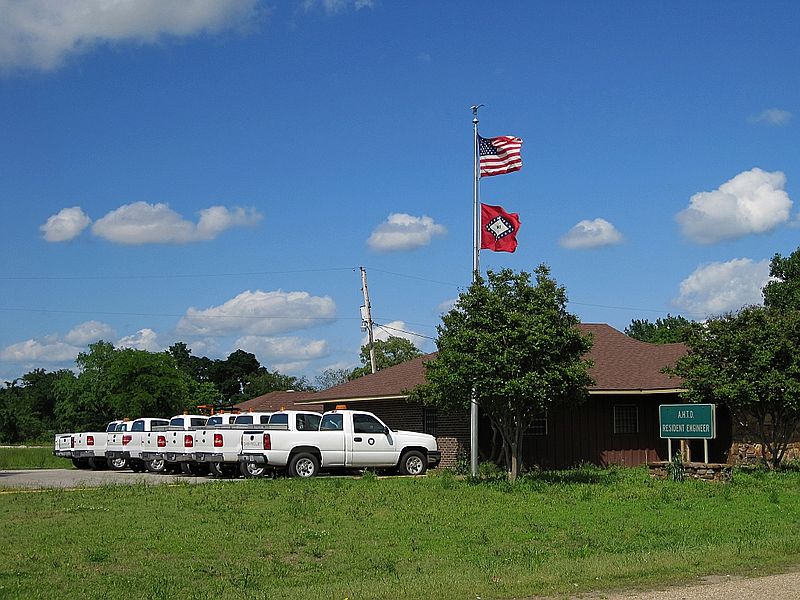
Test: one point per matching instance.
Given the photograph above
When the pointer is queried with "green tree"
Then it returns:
(664, 331)
(232, 374)
(332, 377)
(270, 381)
(83, 402)
(749, 361)
(783, 293)
(142, 383)
(392, 351)
(515, 345)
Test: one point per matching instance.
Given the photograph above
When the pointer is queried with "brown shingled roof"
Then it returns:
(621, 364)
(276, 400)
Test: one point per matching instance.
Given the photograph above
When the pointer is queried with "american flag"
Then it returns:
(499, 155)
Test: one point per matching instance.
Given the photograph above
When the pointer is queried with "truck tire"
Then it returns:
(413, 462)
(159, 465)
(117, 464)
(223, 470)
(303, 464)
(249, 469)
(98, 464)
(193, 468)
(80, 463)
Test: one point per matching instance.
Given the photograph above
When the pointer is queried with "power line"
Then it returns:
(164, 276)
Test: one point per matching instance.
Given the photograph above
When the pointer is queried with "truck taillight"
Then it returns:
(188, 441)
(217, 440)
(90, 440)
(126, 439)
(267, 442)
(72, 441)
(162, 441)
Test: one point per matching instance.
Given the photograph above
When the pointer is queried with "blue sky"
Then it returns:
(215, 172)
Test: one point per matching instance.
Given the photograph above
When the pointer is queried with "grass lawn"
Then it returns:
(396, 538)
(31, 457)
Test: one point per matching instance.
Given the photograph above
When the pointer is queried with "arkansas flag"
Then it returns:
(498, 229)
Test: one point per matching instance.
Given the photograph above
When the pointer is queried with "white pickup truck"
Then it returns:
(89, 449)
(165, 448)
(124, 448)
(345, 439)
(218, 443)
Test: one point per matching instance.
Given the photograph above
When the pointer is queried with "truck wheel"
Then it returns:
(413, 463)
(117, 464)
(97, 463)
(80, 463)
(159, 465)
(303, 464)
(223, 470)
(249, 469)
(193, 468)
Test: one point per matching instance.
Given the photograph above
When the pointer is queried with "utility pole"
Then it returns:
(366, 318)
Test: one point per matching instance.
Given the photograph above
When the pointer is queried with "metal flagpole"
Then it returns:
(476, 247)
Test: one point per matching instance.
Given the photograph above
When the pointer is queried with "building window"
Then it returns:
(539, 424)
(429, 421)
(626, 419)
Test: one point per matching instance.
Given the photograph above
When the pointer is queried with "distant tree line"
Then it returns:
(111, 383)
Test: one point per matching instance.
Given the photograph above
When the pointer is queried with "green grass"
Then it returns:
(31, 458)
(395, 538)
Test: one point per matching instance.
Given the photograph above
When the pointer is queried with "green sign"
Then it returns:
(687, 421)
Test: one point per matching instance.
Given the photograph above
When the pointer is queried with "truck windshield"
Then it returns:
(197, 422)
(332, 423)
(176, 422)
(215, 421)
(137, 426)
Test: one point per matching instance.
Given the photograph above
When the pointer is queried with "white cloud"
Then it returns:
(67, 224)
(332, 7)
(591, 234)
(290, 349)
(259, 313)
(395, 329)
(34, 350)
(144, 339)
(40, 34)
(716, 288)
(89, 332)
(143, 223)
(446, 306)
(773, 116)
(404, 232)
(752, 202)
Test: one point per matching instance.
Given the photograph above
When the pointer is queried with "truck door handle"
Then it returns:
(358, 439)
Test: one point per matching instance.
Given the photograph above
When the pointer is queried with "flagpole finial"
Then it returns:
(475, 112)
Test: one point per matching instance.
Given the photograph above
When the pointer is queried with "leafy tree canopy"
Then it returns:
(392, 351)
(332, 377)
(749, 361)
(783, 293)
(664, 331)
(517, 347)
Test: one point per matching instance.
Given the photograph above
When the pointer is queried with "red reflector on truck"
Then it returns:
(126, 439)
(162, 441)
(267, 442)
(217, 440)
(90, 440)
(188, 441)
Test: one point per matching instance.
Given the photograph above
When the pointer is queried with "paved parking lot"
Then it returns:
(72, 478)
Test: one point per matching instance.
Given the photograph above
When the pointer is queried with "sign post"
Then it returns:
(687, 422)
